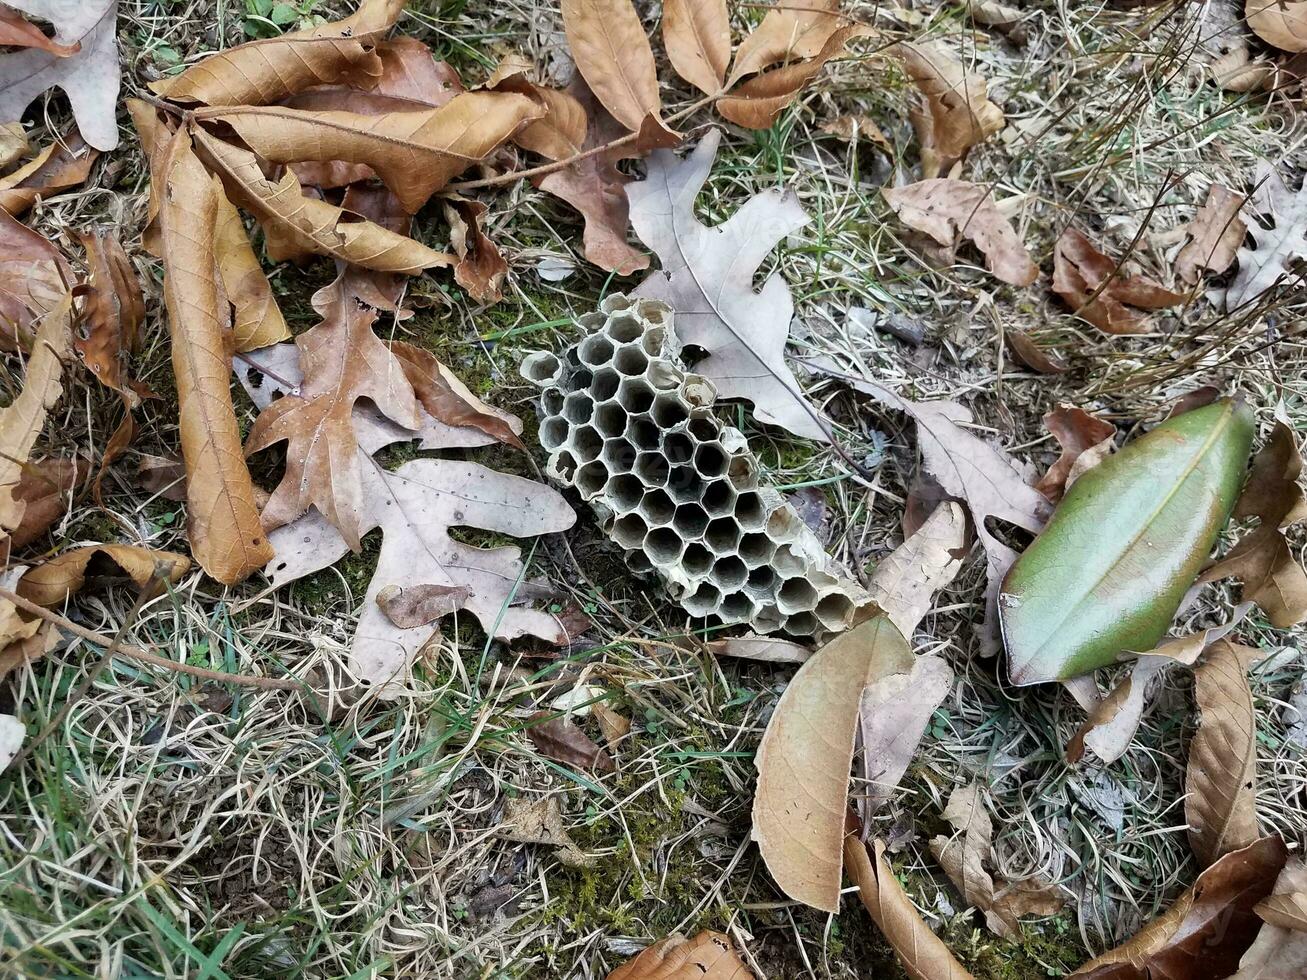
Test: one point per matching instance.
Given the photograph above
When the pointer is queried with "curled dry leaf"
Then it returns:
(957, 114)
(697, 35)
(1280, 23)
(892, 718)
(923, 954)
(1092, 285)
(768, 649)
(114, 311)
(1286, 906)
(708, 956)
(614, 725)
(1077, 432)
(790, 31)
(43, 492)
(256, 317)
(950, 210)
(1045, 360)
(541, 822)
(63, 164)
(417, 605)
(563, 741)
(51, 583)
(34, 279)
(613, 56)
(480, 269)
(446, 399)
(1203, 935)
(803, 783)
(18, 32)
(1215, 235)
(225, 534)
(906, 581)
(851, 127)
(1280, 949)
(270, 70)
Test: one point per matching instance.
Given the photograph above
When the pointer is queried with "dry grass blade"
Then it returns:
(697, 36)
(613, 55)
(225, 534)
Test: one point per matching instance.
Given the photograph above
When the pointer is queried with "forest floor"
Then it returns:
(191, 830)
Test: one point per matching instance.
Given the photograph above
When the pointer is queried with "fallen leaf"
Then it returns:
(1280, 23)
(768, 649)
(17, 32)
(851, 127)
(89, 76)
(957, 114)
(922, 954)
(256, 318)
(34, 279)
(156, 131)
(707, 276)
(52, 582)
(1279, 238)
(803, 783)
(12, 735)
(43, 492)
(1042, 359)
(563, 741)
(163, 476)
(614, 725)
(114, 311)
(480, 268)
(1286, 907)
(415, 153)
(906, 580)
(708, 956)
(446, 399)
(409, 78)
(1280, 950)
(13, 143)
(1203, 935)
(950, 210)
(1006, 20)
(225, 535)
(63, 164)
(796, 29)
(613, 56)
(270, 70)
(311, 224)
(27, 650)
(892, 717)
(24, 418)
(1215, 236)
(697, 36)
(417, 605)
(541, 822)
(1093, 287)
(1077, 432)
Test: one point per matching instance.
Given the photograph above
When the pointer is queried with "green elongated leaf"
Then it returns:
(1108, 572)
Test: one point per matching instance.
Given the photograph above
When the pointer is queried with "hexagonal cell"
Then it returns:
(736, 608)
(642, 433)
(698, 392)
(630, 361)
(729, 573)
(761, 580)
(652, 341)
(690, 521)
(596, 350)
(624, 492)
(697, 560)
(786, 562)
(618, 455)
(578, 407)
(783, 524)
(801, 624)
(581, 379)
(749, 511)
(638, 562)
(718, 498)
(722, 535)
(662, 376)
(834, 610)
(586, 443)
(571, 358)
(662, 546)
(651, 467)
(590, 478)
(657, 508)
(636, 395)
(703, 601)
(703, 429)
(710, 460)
(677, 447)
(605, 384)
(630, 530)
(562, 466)
(668, 412)
(551, 401)
(615, 303)
(756, 549)
(684, 485)
(767, 619)
(624, 328)
(655, 312)
(610, 419)
(542, 368)
(742, 471)
(796, 595)
(553, 433)
(591, 322)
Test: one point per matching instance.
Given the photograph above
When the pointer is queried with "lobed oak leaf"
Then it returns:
(1092, 285)
(18, 32)
(61, 165)
(1279, 238)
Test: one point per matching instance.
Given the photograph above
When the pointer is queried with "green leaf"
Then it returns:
(1109, 571)
(283, 14)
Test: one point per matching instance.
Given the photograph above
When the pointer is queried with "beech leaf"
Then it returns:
(892, 718)
(1286, 907)
(613, 56)
(707, 279)
(1094, 288)
(957, 114)
(767, 649)
(697, 35)
(707, 956)
(256, 317)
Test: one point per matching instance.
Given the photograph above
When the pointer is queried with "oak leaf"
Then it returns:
(541, 822)
(1077, 433)
(61, 165)
(89, 76)
(34, 279)
(1215, 235)
(1279, 238)
(957, 114)
(949, 210)
(446, 399)
(613, 56)
(225, 534)
(803, 782)
(906, 580)
(697, 36)
(707, 956)
(1094, 288)
(707, 278)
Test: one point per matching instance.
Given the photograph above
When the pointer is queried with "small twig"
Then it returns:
(159, 103)
(136, 653)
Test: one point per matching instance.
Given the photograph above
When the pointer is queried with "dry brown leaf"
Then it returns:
(1004, 19)
(541, 822)
(114, 311)
(1076, 432)
(1280, 950)
(63, 164)
(311, 224)
(256, 317)
(795, 29)
(892, 717)
(268, 71)
(950, 210)
(1280, 23)
(697, 36)
(18, 32)
(225, 534)
(162, 475)
(563, 741)
(1215, 235)
(803, 782)
(24, 418)
(34, 278)
(155, 129)
(1203, 935)
(415, 153)
(613, 56)
(43, 491)
(1286, 907)
(446, 399)
(613, 725)
(957, 114)
(51, 583)
(851, 127)
(906, 580)
(922, 954)
(480, 269)
(963, 858)
(417, 605)
(708, 956)
(13, 144)
(27, 650)
(1045, 360)
(1094, 288)
(768, 649)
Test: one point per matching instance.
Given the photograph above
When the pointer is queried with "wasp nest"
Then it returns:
(635, 434)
